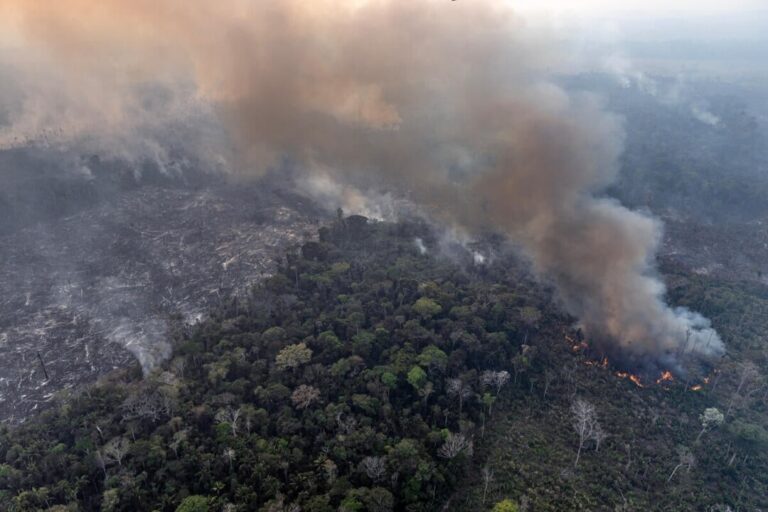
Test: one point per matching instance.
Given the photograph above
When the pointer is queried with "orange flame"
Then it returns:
(634, 378)
(666, 376)
(697, 387)
(580, 346)
(576, 345)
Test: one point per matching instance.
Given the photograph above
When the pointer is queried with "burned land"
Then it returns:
(102, 288)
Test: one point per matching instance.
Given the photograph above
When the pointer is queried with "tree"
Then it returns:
(427, 308)
(549, 377)
(584, 422)
(494, 380)
(487, 479)
(433, 359)
(145, 403)
(229, 416)
(454, 445)
(274, 335)
(459, 390)
(374, 467)
(379, 499)
(193, 504)
(711, 418)
(229, 455)
(293, 356)
(417, 377)
(686, 459)
(389, 380)
(116, 449)
(748, 373)
(303, 396)
(530, 317)
(505, 506)
(599, 435)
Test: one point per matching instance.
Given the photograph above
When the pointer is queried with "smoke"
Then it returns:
(448, 104)
(673, 93)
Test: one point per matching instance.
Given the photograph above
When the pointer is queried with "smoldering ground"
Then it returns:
(447, 103)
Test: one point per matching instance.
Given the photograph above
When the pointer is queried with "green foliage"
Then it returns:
(755, 436)
(433, 358)
(505, 506)
(293, 356)
(427, 308)
(389, 379)
(329, 340)
(417, 377)
(194, 504)
(274, 334)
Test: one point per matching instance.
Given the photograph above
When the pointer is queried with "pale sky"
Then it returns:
(645, 7)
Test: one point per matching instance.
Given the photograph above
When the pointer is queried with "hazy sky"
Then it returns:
(646, 7)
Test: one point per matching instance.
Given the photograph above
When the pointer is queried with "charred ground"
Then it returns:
(100, 279)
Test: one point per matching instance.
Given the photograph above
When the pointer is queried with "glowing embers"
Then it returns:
(699, 387)
(665, 379)
(634, 378)
(576, 345)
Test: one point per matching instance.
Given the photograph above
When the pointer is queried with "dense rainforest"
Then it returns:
(380, 370)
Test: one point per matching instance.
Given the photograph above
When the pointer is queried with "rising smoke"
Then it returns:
(447, 103)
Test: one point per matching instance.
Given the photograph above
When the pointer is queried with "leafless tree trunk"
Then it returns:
(454, 445)
(375, 468)
(231, 416)
(748, 372)
(584, 422)
(487, 479)
(549, 377)
(686, 459)
(115, 450)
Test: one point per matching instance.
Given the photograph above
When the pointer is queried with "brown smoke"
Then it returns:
(447, 102)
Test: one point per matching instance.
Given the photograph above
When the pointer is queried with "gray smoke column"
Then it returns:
(448, 103)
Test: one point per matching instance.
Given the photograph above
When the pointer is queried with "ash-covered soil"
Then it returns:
(98, 290)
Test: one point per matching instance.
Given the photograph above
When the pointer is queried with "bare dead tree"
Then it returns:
(599, 435)
(98, 458)
(229, 454)
(45, 371)
(568, 371)
(454, 445)
(494, 380)
(710, 418)
(375, 468)
(115, 450)
(584, 422)
(230, 416)
(459, 390)
(147, 404)
(549, 377)
(748, 373)
(426, 391)
(487, 474)
(179, 438)
(686, 459)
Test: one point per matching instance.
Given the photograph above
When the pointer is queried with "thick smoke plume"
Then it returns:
(447, 103)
